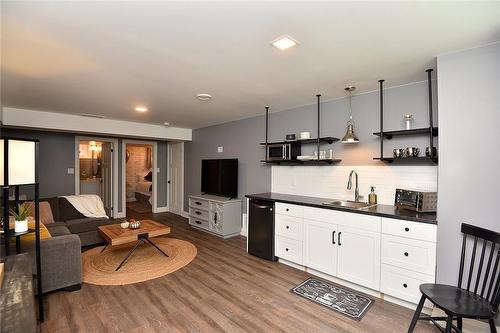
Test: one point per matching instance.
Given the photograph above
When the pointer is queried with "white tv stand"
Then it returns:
(217, 215)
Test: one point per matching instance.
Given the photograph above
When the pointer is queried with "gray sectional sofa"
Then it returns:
(61, 254)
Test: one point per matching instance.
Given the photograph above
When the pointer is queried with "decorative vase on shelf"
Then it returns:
(21, 226)
(408, 119)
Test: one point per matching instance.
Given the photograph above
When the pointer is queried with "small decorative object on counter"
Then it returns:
(124, 224)
(372, 197)
(408, 121)
(135, 224)
(428, 151)
(290, 137)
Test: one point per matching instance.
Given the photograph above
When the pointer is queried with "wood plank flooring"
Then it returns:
(223, 290)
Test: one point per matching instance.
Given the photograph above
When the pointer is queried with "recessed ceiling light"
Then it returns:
(284, 43)
(141, 109)
(204, 97)
(166, 124)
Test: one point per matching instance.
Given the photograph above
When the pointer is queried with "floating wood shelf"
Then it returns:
(306, 162)
(417, 131)
(326, 139)
(420, 159)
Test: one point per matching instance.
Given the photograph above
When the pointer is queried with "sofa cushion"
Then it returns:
(67, 211)
(77, 226)
(58, 229)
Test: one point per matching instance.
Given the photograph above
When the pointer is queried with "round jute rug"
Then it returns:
(146, 263)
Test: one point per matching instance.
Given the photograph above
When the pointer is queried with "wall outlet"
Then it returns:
(71, 171)
(220, 149)
(157, 170)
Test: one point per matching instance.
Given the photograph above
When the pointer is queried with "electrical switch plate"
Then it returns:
(220, 149)
(71, 171)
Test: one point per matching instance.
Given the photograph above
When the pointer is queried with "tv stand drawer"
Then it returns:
(198, 203)
(198, 222)
(198, 213)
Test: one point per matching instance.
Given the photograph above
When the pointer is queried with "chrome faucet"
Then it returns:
(349, 185)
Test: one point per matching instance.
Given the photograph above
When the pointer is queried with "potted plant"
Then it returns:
(21, 217)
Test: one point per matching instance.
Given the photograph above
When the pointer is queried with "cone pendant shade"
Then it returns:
(349, 136)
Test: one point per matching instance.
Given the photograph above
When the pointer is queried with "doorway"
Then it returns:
(139, 178)
(176, 177)
(96, 173)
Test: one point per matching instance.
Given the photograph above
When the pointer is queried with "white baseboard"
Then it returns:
(120, 215)
(244, 225)
(185, 214)
(161, 210)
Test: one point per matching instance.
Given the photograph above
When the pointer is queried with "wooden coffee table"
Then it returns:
(116, 235)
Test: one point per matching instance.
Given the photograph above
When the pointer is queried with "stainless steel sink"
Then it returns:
(348, 204)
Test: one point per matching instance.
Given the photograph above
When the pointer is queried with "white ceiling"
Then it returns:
(106, 57)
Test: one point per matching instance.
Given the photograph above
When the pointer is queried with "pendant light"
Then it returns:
(349, 136)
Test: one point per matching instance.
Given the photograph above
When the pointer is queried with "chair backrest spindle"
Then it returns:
(490, 276)
(472, 262)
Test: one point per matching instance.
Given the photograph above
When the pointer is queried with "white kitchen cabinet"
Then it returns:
(359, 256)
(320, 248)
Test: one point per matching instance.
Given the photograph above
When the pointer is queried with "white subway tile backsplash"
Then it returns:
(331, 182)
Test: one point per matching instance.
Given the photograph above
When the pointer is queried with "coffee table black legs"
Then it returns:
(139, 241)
(150, 242)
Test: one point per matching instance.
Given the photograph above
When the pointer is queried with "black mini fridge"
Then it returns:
(261, 229)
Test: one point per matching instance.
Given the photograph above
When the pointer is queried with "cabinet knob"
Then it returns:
(286, 249)
(287, 227)
(287, 209)
(198, 203)
(197, 212)
(406, 254)
(405, 285)
(407, 229)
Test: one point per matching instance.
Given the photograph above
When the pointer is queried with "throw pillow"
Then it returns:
(46, 216)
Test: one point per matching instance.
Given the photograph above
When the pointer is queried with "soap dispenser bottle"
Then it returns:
(372, 197)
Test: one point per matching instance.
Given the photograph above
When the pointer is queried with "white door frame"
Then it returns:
(169, 161)
(116, 214)
(154, 193)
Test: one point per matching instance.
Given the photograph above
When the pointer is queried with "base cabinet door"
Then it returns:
(320, 250)
(359, 256)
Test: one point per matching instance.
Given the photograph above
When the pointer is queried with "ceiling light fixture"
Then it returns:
(204, 97)
(350, 137)
(284, 43)
(141, 109)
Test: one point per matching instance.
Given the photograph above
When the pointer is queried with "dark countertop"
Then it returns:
(378, 210)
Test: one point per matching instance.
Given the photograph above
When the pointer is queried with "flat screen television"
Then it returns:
(220, 177)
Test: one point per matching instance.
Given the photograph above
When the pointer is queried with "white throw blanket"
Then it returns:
(90, 205)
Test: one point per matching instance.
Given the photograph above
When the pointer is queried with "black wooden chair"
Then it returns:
(479, 297)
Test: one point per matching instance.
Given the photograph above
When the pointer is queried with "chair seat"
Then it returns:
(457, 301)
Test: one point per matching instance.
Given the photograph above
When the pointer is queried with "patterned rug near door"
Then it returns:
(334, 297)
(146, 263)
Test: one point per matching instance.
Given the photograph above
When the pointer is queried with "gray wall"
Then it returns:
(240, 139)
(57, 154)
(468, 173)
(161, 197)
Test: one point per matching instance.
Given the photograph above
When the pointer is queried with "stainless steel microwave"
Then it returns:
(283, 151)
(416, 200)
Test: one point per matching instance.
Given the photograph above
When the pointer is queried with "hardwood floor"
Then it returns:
(223, 290)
